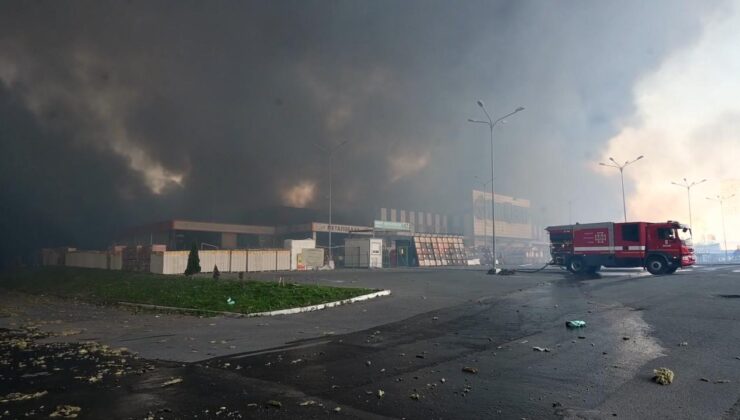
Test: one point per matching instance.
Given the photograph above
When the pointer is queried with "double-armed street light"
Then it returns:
(686, 184)
(621, 167)
(721, 199)
(491, 123)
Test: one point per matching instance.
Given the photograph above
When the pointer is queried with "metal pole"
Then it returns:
(624, 204)
(724, 232)
(691, 220)
(485, 221)
(493, 207)
(331, 158)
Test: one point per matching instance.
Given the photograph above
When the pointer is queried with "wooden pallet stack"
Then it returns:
(439, 250)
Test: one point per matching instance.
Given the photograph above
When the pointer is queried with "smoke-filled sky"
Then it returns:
(118, 113)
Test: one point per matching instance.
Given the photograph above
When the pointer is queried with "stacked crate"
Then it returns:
(438, 251)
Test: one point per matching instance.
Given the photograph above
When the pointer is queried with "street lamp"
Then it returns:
(688, 186)
(485, 209)
(621, 174)
(330, 154)
(720, 199)
(492, 123)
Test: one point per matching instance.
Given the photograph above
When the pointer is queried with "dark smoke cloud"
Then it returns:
(116, 113)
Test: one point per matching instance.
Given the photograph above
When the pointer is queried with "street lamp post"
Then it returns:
(621, 175)
(492, 123)
(330, 154)
(485, 210)
(720, 199)
(688, 186)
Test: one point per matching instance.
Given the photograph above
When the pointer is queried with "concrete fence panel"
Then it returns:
(238, 260)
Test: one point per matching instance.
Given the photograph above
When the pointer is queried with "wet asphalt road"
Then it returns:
(414, 368)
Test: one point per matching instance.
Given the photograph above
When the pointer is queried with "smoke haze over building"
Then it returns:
(118, 113)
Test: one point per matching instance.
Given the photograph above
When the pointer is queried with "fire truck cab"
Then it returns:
(661, 248)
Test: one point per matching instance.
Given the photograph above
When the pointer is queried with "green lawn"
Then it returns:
(108, 286)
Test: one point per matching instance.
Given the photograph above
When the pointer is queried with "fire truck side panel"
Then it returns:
(594, 243)
(630, 241)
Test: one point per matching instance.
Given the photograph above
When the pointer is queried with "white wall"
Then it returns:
(238, 260)
(175, 262)
(87, 259)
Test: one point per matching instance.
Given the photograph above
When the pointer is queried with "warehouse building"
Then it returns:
(181, 234)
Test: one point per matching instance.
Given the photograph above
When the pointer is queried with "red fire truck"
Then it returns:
(662, 248)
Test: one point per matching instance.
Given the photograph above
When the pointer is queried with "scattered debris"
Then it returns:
(307, 402)
(542, 349)
(230, 301)
(663, 376)
(434, 318)
(293, 362)
(67, 333)
(414, 396)
(581, 337)
(683, 344)
(722, 381)
(17, 396)
(419, 356)
(443, 380)
(469, 369)
(381, 393)
(274, 403)
(338, 409)
(66, 411)
(576, 323)
(704, 380)
(172, 381)
(625, 338)
(368, 363)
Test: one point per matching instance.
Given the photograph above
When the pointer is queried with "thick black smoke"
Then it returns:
(117, 113)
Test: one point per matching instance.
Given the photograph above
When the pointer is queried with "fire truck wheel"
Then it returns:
(656, 265)
(576, 265)
(672, 269)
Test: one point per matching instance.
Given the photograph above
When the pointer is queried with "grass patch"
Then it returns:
(108, 286)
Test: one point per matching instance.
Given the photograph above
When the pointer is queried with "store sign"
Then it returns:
(324, 227)
(385, 225)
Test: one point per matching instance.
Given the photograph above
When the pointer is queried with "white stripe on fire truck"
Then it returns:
(594, 248)
(608, 248)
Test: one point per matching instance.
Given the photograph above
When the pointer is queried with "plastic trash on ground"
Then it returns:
(575, 324)
(230, 301)
(663, 376)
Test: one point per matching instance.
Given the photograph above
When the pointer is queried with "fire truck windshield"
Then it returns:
(684, 235)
